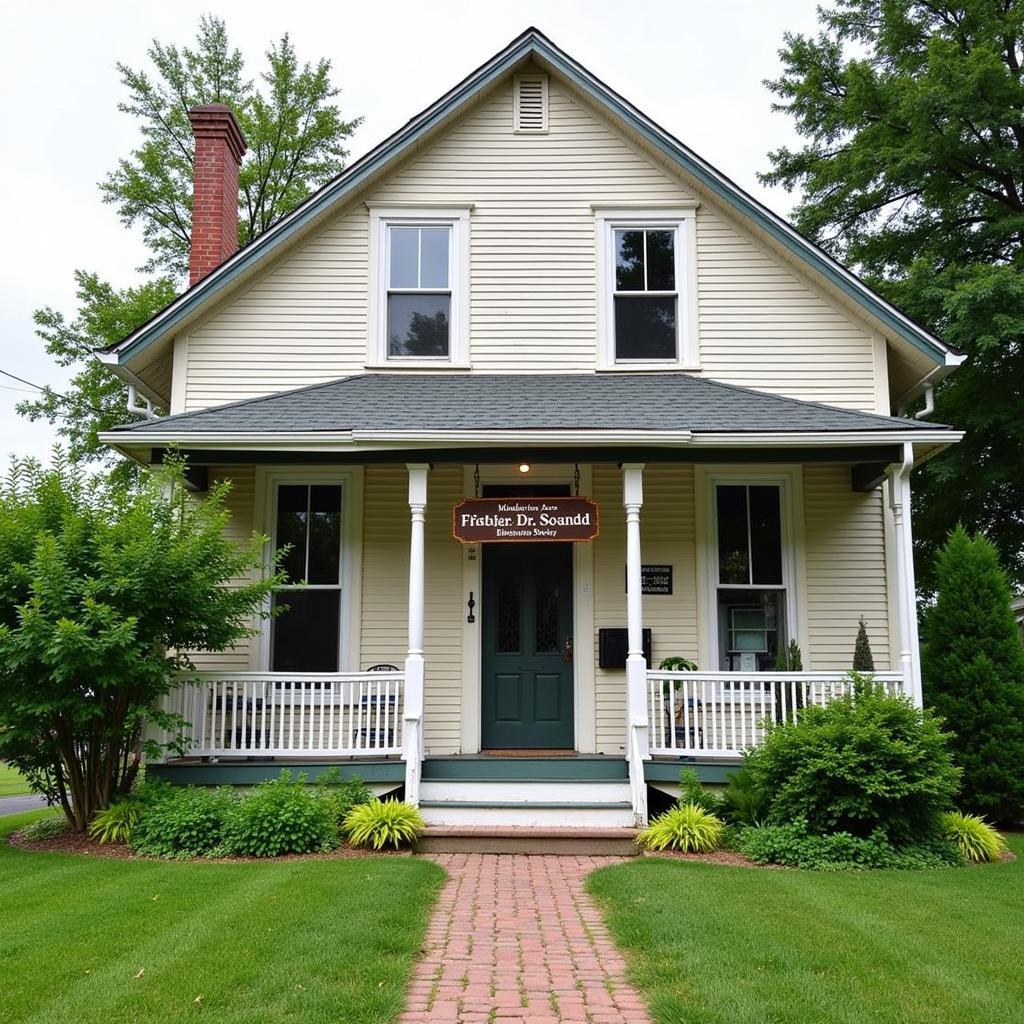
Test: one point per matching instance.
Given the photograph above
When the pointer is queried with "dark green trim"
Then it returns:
(683, 455)
(530, 44)
(249, 773)
(480, 768)
(603, 805)
(714, 772)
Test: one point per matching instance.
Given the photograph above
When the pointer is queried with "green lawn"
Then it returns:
(94, 941)
(12, 783)
(715, 945)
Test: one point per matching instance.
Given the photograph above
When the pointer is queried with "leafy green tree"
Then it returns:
(973, 673)
(863, 659)
(296, 138)
(103, 590)
(912, 171)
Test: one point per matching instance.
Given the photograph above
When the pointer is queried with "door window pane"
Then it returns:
(547, 635)
(508, 615)
(305, 636)
(418, 324)
(645, 328)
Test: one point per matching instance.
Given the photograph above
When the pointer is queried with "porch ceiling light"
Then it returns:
(524, 467)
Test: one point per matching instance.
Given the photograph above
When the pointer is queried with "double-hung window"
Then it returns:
(750, 576)
(419, 314)
(306, 635)
(648, 307)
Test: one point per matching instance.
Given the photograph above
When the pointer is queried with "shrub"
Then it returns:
(861, 764)
(281, 816)
(46, 828)
(789, 658)
(973, 669)
(382, 823)
(794, 846)
(115, 823)
(688, 827)
(975, 838)
(863, 659)
(742, 802)
(187, 822)
(342, 795)
(692, 792)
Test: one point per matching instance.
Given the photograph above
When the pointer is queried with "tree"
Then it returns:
(103, 591)
(913, 173)
(973, 671)
(295, 135)
(863, 659)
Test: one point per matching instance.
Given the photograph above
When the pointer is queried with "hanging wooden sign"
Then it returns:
(517, 520)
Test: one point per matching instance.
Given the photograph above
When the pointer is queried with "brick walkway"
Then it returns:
(517, 939)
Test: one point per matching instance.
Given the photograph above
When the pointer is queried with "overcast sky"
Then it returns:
(695, 66)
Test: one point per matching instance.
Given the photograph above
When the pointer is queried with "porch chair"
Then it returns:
(370, 702)
(696, 737)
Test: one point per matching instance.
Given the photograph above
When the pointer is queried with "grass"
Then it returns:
(12, 782)
(100, 941)
(715, 945)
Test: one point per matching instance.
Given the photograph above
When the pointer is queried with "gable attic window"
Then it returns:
(530, 104)
(648, 282)
(419, 287)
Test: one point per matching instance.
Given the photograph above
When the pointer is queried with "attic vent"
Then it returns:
(531, 103)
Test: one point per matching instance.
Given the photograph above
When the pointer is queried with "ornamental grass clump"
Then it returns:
(381, 823)
(115, 823)
(686, 827)
(975, 838)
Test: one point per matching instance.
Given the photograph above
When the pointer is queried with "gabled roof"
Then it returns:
(532, 44)
(435, 404)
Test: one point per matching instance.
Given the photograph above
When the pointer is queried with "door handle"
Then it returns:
(567, 649)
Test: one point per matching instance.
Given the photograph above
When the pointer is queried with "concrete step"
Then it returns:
(489, 812)
(526, 791)
(566, 841)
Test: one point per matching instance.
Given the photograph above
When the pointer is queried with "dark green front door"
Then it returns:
(527, 646)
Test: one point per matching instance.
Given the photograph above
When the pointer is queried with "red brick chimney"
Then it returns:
(219, 149)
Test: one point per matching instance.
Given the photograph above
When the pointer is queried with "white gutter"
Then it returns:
(386, 440)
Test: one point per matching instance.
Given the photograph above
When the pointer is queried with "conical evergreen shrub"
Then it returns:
(863, 660)
(973, 675)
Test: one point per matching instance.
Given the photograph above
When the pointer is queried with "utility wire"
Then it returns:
(56, 394)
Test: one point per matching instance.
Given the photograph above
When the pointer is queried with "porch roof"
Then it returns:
(431, 405)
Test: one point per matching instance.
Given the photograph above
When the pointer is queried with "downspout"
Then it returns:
(929, 403)
(140, 410)
(899, 502)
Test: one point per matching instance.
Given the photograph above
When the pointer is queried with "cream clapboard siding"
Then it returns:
(533, 278)
(241, 503)
(666, 538)
(385, 592)
(844, 542)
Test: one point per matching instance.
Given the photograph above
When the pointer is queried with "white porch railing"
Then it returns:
(723, 713)
(348, 714)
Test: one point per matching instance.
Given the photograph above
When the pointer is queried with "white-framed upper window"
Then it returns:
(311, 521)
(419, 287)
(648, 282)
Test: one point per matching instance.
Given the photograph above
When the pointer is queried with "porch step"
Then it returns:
(532, 802)
(575, 768)
(566, 841)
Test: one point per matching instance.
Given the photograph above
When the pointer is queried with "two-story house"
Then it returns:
(537, 398)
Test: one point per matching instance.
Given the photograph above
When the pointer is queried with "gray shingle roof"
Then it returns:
(437, 402)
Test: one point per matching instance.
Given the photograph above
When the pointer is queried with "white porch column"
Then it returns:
(412, 747)
(638, 747)
(906, 586)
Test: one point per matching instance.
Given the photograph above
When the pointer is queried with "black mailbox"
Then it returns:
(613, 645)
